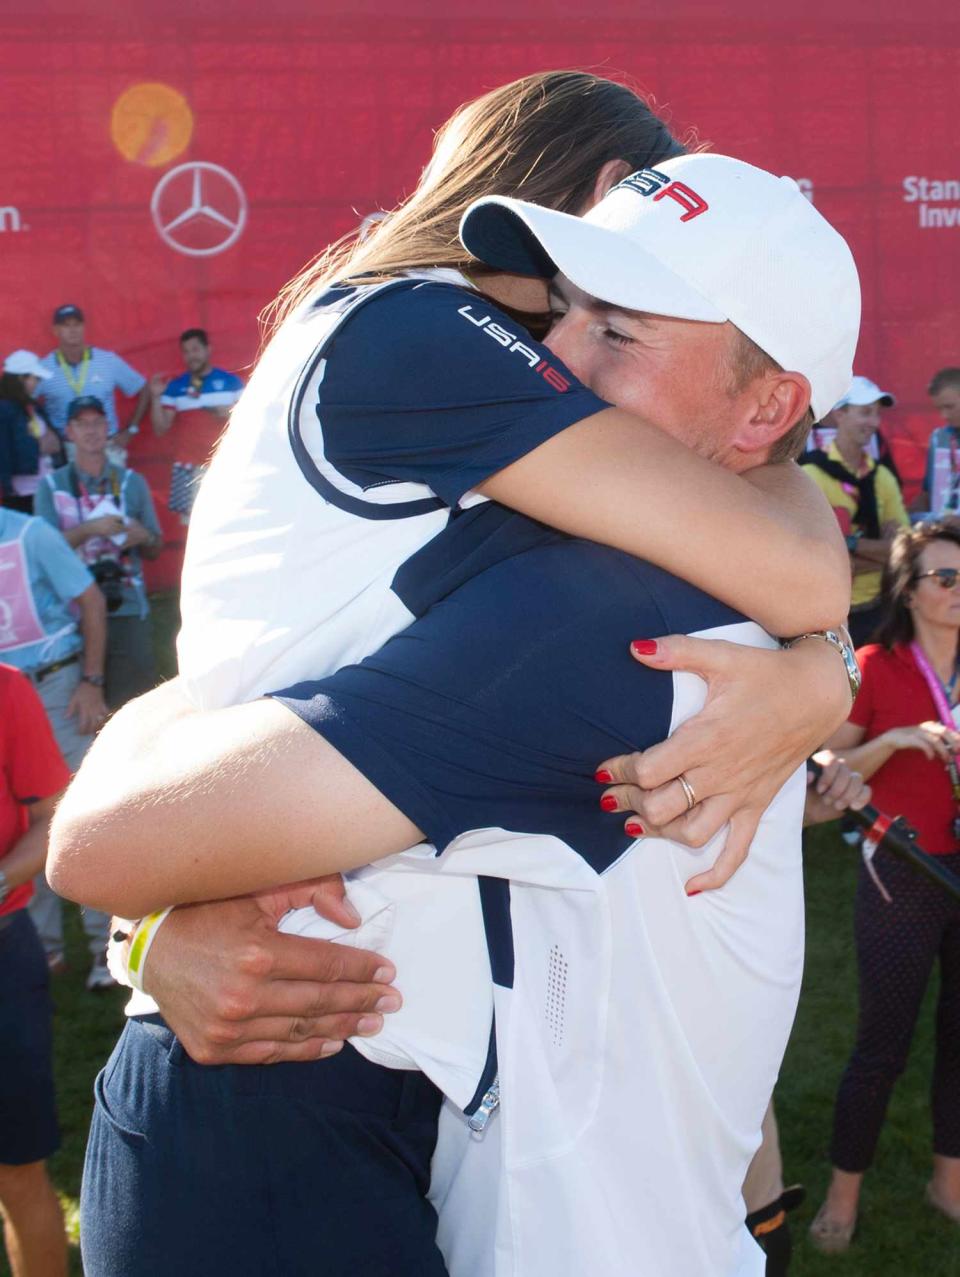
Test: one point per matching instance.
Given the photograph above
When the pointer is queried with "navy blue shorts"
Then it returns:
(284, 1170)
(28, 1111)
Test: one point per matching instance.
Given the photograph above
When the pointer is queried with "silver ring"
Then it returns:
(691, 797)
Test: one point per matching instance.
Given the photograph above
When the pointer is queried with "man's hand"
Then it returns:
(89, 708)
(137, 534)
(107, 525)
(237, 991)
(158, 384)
(838, 789)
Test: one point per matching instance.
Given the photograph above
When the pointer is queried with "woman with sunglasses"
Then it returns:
(902, 735)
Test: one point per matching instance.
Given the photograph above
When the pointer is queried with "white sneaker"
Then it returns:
(100, 977)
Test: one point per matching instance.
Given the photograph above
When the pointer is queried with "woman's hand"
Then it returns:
(766, 712)
(934, 740)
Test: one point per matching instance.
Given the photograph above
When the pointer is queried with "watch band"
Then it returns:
(95, 680)
(839, 639)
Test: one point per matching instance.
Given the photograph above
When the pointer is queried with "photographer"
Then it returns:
(106, 514)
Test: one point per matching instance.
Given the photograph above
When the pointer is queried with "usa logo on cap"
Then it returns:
(650, 181)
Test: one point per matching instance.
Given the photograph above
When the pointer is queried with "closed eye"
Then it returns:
(618, 339)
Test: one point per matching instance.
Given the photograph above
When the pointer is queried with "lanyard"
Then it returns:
(943, 706)
(76, 383)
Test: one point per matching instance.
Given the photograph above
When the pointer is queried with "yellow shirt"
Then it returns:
(844, 497)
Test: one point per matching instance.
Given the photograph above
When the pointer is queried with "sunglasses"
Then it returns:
(946, 577)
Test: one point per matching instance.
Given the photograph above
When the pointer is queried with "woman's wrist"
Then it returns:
(839, 640)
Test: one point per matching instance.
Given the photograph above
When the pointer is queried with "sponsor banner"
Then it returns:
(175, 165)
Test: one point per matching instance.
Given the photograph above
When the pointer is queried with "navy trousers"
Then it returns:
(286, 1170)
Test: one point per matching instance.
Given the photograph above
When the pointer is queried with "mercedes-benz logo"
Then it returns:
(199, 209)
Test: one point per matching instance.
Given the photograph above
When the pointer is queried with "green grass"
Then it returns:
(899, 1235)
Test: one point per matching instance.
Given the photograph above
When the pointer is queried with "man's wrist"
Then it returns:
(141, 942)
(94, 678)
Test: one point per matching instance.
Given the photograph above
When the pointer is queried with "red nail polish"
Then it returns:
(634, 829)
(603, 777)
(691, 894)
(608, 802)
(644, 647)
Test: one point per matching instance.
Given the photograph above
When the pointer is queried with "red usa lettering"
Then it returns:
(688, 199)
(510, 341)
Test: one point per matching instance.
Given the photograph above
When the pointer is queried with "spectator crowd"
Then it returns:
(77, 525)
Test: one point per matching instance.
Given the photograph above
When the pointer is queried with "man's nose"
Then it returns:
(567, 340)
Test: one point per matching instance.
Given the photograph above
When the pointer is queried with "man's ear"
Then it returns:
(611, 173)
(778, 400)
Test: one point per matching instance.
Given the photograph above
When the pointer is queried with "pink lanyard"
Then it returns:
(943, 709)
(946, 718)
(935, 686)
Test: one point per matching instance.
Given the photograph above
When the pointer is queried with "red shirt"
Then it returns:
(894, 694)
(31, 766)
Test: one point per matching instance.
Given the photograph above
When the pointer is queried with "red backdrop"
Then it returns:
(319, 113)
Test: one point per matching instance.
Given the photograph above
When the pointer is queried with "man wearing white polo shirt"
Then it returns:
(77, 369)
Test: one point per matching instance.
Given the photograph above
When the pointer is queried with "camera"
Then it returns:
(108, 574)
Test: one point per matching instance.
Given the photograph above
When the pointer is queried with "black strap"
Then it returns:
(866, 516)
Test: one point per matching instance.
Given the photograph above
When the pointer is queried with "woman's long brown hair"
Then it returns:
(543, 138)
(900, 577)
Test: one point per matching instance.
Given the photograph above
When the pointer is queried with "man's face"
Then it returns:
(947, 403)
(70, 333)
(673, 372)
(857, 423)
(195, 354)
(88, 430)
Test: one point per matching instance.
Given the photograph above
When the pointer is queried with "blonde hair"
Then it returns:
(543, 138)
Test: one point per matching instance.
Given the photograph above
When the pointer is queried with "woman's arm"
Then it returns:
(766, 543)
(931, 739)
(173, 805)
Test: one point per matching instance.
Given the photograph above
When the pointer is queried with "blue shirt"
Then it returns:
(106, 373)
(63, 508)
(218, 389)
(367, 426)
(56, 577)
(942, 437)
(494, 708)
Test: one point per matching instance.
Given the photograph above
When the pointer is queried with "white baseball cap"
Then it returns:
(25, 364)
(863, 391)
(702, 237)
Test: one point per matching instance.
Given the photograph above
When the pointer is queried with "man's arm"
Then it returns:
(141, 406)
(130, 382)
(161, 414)
(143, 528)
(87, 701)
(237, 991)
(145, 783)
